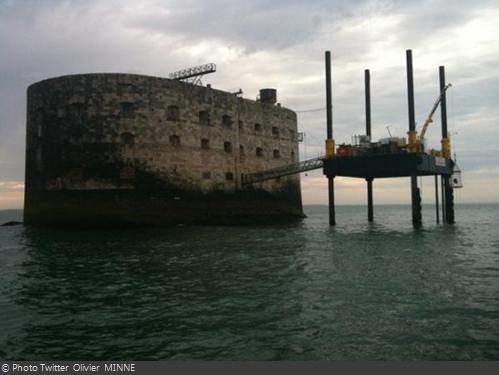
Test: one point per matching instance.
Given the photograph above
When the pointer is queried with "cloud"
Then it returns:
(254, 25)
(11, 185)
(11, 194)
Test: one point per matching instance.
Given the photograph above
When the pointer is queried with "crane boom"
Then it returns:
(430, 116)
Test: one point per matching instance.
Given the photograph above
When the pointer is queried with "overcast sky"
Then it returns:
(279, 44)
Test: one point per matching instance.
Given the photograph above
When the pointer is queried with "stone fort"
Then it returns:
(125, 148)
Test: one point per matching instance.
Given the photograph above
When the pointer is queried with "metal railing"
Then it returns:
(286, 170)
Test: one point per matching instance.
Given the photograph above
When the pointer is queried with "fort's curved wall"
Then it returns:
(131, 148)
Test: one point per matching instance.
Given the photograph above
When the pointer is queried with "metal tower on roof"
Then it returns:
(193, 75)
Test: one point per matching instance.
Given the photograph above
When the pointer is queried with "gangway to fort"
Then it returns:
(286, 170)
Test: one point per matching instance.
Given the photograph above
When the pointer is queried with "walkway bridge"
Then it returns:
(286, 170)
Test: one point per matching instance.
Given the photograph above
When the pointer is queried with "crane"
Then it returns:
(429, 120)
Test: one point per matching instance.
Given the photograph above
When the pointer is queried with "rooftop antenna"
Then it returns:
(388, 130)
(193, 75)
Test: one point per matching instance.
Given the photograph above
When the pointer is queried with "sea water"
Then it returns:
(301, 291)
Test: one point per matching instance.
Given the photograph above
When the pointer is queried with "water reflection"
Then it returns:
(149, 293)
(300, 291)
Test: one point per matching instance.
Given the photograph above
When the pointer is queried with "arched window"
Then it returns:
(127, 139)
(228, 147)
(227, 121)
(277, 154)
(229, 176)
(126, 110)
(76, 133)
(241, 152)
(293, 158)
(98, 128)
(204, 118)
(172, 113)
(174, 140)
(205, 143)
(78, 109)
(275, 131)
(259, 152)
(258, 127)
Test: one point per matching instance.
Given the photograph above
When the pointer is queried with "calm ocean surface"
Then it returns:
(284, 292)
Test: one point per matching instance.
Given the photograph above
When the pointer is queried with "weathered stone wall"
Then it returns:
(101, 132)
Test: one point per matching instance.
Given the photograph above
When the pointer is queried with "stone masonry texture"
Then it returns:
(123, 148)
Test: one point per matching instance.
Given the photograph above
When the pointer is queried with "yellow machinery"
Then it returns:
(329, 148)
(415, 144)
